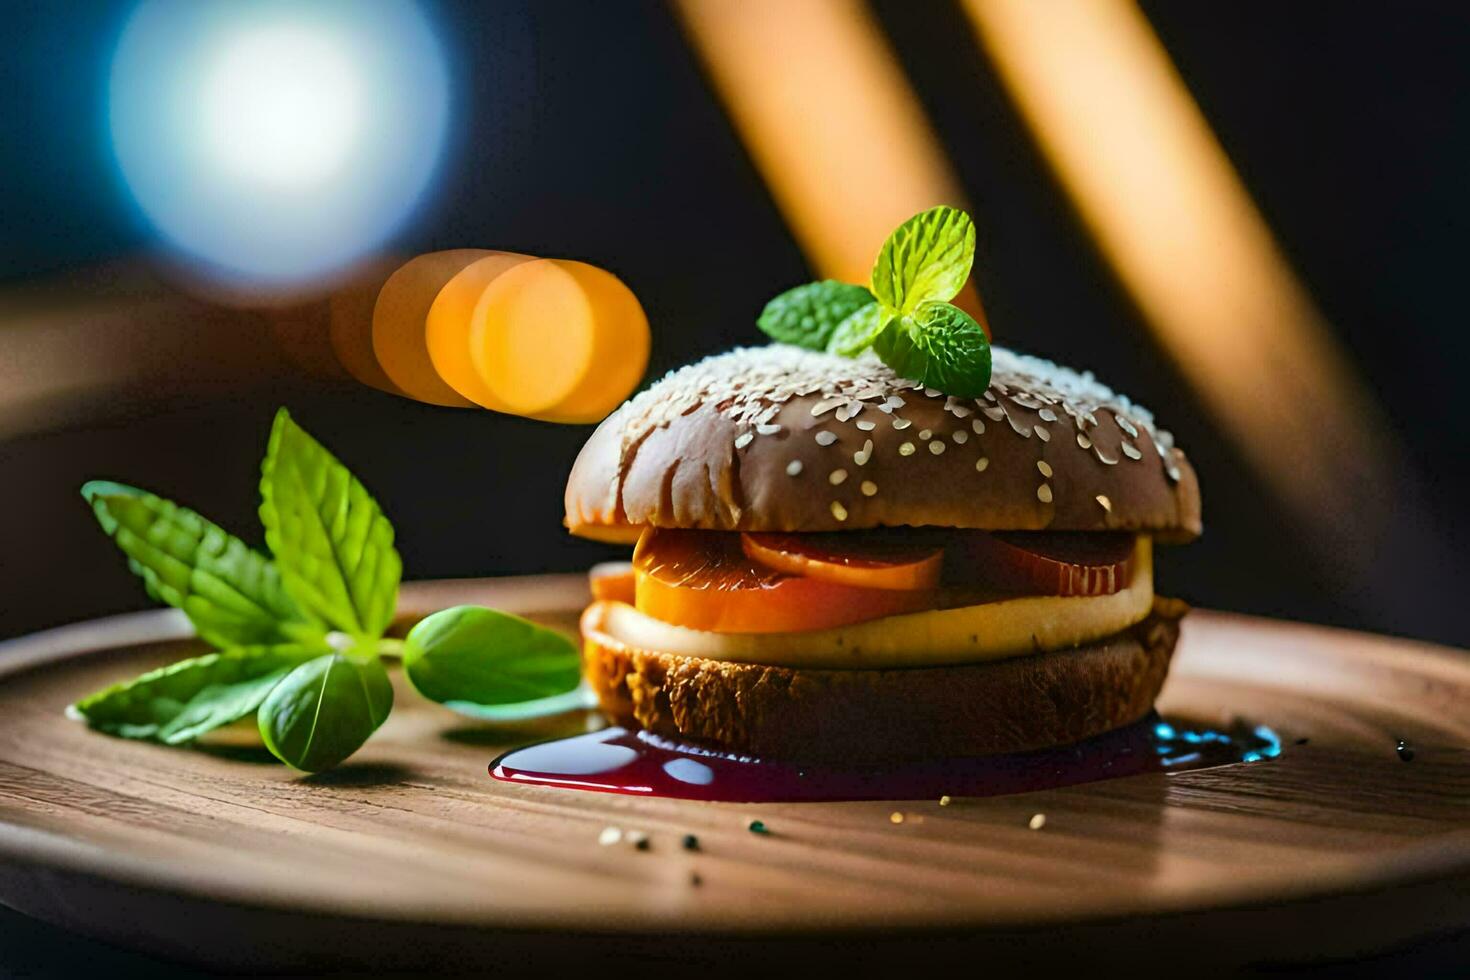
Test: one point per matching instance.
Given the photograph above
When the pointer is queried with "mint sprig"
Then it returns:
(806, 316)
(910, 323)
(317, 695)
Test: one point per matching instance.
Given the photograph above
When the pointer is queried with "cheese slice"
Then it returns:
(967, 634)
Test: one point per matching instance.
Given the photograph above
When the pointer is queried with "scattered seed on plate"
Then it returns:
(926, 433)
(638, 839)
(690, 842)
(793, 468)
(609, 836)
(944, 801)
(1044, 467)
(981, 464)
(837, 477)
(936, 447)
(895, 817)
(825, 438)
(744, 439)
(1037, 821)
(1043, 493)
(869, 488)
(867, 425)
(839, 511)
(758, 827)
(906, 449)
(1104, 502)
(960, 437)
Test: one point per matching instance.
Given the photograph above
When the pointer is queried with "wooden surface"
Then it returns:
(410, 855)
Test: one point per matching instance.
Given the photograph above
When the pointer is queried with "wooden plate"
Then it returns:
(410, 856)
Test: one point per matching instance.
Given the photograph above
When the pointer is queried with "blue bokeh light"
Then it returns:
(277, 142)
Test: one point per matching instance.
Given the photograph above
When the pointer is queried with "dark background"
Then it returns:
(587, 130)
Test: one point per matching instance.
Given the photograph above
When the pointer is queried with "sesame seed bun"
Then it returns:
(872, 716)
(782, 439)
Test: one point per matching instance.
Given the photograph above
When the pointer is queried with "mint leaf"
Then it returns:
(180, 702)
(231, 593)
(332, 543)
(941, 346)
(927, 259)
(855, 334)
(324, 710)
(486, 657)
(807, 315)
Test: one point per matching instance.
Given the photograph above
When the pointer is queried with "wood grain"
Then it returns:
(410, 855)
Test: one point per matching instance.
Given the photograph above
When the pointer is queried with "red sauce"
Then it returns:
(616, 760)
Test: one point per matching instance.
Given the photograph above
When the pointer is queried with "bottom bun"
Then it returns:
(869, 716)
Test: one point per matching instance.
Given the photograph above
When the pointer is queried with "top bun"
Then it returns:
(779, 438)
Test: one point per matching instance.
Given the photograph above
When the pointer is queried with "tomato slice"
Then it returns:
(704, 580)
(612, 580)
(1045, 562)
(873, 561)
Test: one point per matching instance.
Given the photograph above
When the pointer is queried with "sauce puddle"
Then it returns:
(616, 760)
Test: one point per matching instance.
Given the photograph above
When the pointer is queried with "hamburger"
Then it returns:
(834, 563)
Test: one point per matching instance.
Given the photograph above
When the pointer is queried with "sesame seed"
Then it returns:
(758, 827)
(827, 404)
(960, 437)
(981, 463)
(793, 468)
(1083, 442)
(744, 440)
(1037, 821)
(1047, 415)
(767, 428)
(609, 836)
(978, 426)
(836, 477)
(1132, 451)
(839, 511)
(994, 413)
(961, 411)
(944, 801)
(825, 438)
(900, 423)
(936, 447)
(926, 433)
(906, 449)
(864, 454)
(869, 488)
(895, 817)
(1104, 502)
(933, 392)
(1043, 493)
(1042, 433)
(867, 425)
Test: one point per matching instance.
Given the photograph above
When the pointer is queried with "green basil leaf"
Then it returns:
(481, 656)
(324, 710)
(855, 334)
(578, 699)
(182, 701)
(927, 259)
(231, 593)
(940, 346)
(807, 315)
(332, 543)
